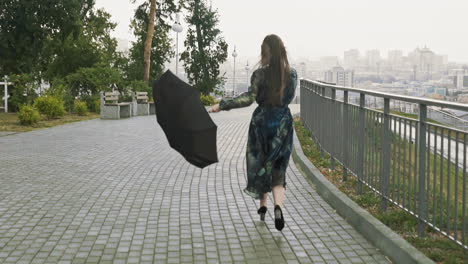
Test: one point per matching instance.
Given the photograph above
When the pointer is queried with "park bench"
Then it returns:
(111, 108)
(152, 108)
(143, 107)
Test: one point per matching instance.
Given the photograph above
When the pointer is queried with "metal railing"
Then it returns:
(414, 164)
(434, 113)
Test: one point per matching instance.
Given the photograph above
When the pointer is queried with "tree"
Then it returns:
(161, 45)
(26, 25)
(90, 81)
(23, 91)
(149, 39)
(206, 49)
(93, 44)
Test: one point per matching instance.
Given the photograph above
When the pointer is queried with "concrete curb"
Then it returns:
(390, 243)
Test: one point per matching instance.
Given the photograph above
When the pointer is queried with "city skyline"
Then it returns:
(362, 24)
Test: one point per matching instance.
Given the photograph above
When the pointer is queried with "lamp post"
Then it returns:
(234, 54)
(247, 68)
(177, 27)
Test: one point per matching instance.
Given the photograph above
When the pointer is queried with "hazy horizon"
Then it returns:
(312, 30)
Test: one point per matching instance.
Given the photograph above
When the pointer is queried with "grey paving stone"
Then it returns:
(113, 191)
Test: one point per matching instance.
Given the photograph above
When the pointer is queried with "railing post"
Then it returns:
(301, 103)
(315, 124)
(345, 135)
(386, 153)
(361, 138)
(311, 116)
(323, 128)
(6, 94)
(331, 135)
(102, 102)
(422, 169)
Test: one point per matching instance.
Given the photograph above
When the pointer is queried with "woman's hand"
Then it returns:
(214, 109)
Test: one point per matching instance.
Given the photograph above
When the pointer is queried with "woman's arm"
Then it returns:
(291, 88)
(246, 98)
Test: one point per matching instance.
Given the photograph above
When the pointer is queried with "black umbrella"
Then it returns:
(185, 121)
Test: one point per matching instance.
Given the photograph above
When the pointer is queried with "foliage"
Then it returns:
(140, 86)
(207, 100)
(96, 106)
(22, 91)
(125, 97)
(26, 25)
(60, 88)
(67, 43)
(161, 50)
(50, 106)
(10, 122)
(81, 108)
(92, 102)
(93, 45)
(28, 115)
(206, 49)
(91, 81)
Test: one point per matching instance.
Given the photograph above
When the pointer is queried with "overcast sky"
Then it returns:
(312, 29)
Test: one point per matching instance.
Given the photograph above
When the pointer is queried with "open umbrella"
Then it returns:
(185, 121)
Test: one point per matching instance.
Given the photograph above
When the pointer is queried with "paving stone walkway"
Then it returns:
(113, 191)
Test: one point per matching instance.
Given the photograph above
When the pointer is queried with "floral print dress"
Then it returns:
(269, 143)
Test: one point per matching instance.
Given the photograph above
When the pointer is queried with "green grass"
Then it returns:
(437, 247)
(414, 116)
(446, 132)
(9, 122)
(404, 165)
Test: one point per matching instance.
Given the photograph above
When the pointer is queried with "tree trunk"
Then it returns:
(149, 40)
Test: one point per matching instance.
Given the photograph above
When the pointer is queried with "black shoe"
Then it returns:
(279, 220)
(262, 212)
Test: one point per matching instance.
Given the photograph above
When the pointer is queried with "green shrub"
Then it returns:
(60, 89)
(28, 115)
(125, 98)
(140, 86)
(97, 105)
(90, 101)
(22, 92)
(81, 108)
(207, 100)
(50, 106)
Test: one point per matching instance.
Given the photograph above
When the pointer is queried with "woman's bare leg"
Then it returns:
(278, 194)
(263, 202)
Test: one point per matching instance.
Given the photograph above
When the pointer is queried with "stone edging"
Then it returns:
(8, 133)
(387, 241)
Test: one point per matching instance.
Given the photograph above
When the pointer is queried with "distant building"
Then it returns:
(373, 58)
(328, 62)
(460, 78)
(351, 58)
(339, 76)
(426, 64)
(441, 91)
(395, 58)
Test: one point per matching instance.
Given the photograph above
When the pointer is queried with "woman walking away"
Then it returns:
(269, 144)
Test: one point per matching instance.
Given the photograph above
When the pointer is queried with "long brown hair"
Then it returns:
(277, 73)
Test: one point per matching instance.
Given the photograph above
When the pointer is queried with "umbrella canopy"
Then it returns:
(185, 121)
